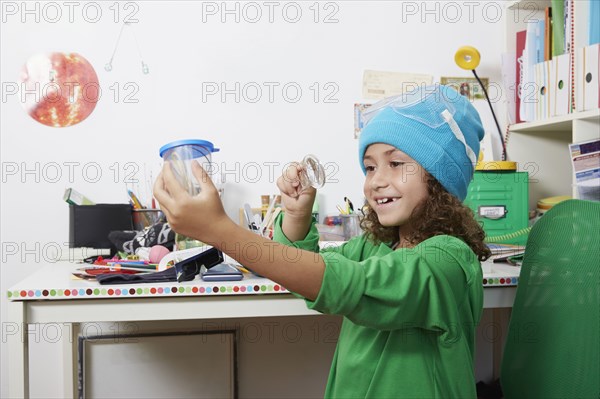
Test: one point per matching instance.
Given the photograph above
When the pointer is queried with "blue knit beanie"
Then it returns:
(435, 126)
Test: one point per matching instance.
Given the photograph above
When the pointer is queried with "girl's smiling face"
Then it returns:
(395, 184)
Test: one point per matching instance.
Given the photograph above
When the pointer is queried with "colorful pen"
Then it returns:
(136, 202)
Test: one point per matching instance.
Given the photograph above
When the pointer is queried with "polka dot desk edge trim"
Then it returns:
(500, 281)
(175, 290)
(145, 291)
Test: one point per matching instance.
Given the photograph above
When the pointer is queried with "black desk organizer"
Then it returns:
(89, 225)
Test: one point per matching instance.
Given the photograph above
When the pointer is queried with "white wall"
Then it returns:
(186, 49)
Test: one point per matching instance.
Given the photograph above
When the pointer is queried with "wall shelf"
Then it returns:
(541, 147)
(557, 123)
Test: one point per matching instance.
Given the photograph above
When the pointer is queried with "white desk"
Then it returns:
(53, 296)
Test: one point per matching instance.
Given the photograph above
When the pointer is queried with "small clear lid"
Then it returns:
(313, 174)
(198, 148)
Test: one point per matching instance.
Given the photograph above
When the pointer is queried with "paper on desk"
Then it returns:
(505, 249)
(585, 160)
(381, 84)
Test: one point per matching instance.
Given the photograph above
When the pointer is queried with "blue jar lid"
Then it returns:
(206, 144)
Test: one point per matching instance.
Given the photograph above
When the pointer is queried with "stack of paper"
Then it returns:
(506, 249)
(585, 158)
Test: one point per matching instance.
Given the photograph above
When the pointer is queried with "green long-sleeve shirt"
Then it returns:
(409, 316)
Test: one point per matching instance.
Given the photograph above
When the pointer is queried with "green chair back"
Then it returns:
(553, 344)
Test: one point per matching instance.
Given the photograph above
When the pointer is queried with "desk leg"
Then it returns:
(70, 365)
(18, 351)
(501, 319)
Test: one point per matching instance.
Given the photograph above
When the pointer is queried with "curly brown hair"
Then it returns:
(441, 213)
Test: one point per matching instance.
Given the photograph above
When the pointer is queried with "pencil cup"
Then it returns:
(350, 226)
(143, 218)
(181, 154)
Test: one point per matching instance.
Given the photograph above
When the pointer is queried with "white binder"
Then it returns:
(561, 85)
(542, 92)
(587, 85)
(548, 93)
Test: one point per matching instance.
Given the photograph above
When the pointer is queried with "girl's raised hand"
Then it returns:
(193, 216)
(298, 202)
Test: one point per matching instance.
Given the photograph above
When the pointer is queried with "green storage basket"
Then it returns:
(500, 202)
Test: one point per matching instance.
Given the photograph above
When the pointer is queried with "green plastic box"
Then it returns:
(500, 202)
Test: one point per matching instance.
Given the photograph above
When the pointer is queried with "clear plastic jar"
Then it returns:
(181, 154)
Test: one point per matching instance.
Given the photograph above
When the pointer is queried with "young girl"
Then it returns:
(409, 288)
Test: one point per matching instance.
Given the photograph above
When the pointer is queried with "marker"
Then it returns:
(118, 266)
(349, 205)
(129, 262)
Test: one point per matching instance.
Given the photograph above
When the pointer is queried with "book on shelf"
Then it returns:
(556, 68)
(538, 35)
(558, 27)
(548, 34)
(594, 23)
(521, 35)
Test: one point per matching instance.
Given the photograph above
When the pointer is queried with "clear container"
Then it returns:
(143, 218)
(330, 233)
(181, 154)
(351, 226)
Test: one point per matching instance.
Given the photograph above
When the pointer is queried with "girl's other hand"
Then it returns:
(298, 202)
